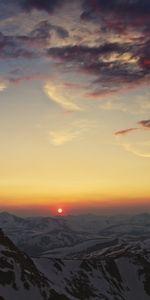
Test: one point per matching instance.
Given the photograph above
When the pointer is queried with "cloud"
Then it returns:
(126, 22)
(87, 55)
(61, 137)
(43, 31)
(46, 5)
(133, 149)
(3, 86)
(145, 124)
(129, 99)
(114, 64)
(11, 47)
(76, 130)
(140, 148)
(125, 131)
(30, 45)
(110, 105)
(139, 7)
(107, 42)
(58, 93)
(119, 15)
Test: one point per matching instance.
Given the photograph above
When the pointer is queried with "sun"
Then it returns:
(60, 211)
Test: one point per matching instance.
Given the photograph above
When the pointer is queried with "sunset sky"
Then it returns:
(74, 105)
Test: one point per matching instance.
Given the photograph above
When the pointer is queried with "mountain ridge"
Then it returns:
(125, 276)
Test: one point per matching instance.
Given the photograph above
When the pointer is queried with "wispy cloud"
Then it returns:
(77, 130)
(110, 105)
(3, 86)
(125, 131)
(129, 147)
(139, 148)
(58, 93)
(143, 125)
(60, 137)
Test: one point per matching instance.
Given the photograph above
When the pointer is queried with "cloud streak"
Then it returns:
(77, 130)
(135, 147)
(125, 131)
(144, 125)
(58, 93)
(61, 137)
(132, 149)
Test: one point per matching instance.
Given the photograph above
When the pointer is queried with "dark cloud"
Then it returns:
(79, 52)
(46, 5)
(106, 62)
(10, 47)
(144, 124)
(118, 15)
(29, 46)
(42, 31)
(145, 55)
(125, 6)
(125, 131)
(44, 28)
(97, 61)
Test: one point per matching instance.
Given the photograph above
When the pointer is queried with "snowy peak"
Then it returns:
(124, 275)
(19, 276)
(8, 220)
(35, 235)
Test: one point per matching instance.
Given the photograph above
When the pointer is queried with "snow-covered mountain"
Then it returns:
(74, 236)
(38, 234)
(122, 276)
(19, 277)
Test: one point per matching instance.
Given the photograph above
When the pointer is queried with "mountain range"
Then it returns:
(76, 236)
(122, 275)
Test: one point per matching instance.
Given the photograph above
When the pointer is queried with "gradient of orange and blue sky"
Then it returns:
(74, 105)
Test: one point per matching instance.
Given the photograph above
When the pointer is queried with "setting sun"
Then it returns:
(60, 211)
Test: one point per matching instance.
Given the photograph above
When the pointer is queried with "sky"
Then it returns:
(74, 105)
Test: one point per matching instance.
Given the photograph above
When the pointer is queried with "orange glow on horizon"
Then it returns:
(50, 208)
